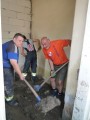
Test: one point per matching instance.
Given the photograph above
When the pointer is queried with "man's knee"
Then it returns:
(60, 82)
(52, 79)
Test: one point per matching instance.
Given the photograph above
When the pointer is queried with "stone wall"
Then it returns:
(16, 17)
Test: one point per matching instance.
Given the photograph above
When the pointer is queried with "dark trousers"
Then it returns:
(30, 61)
(8, 82)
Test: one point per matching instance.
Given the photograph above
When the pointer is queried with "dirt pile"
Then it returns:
(49, 103)
(28, 109)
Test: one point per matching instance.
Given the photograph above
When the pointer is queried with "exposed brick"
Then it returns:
(8, 13)
(27, 34)
(26, 10)
(16, 22)
(10, 1)
(14, 7)
(24, 3)
(15, 16)
(10, 28)
(11, 34)
(4, 20)
(5, 34)
(27, 24)
(23, 16)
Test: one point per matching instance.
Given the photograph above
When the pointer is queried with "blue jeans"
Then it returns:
(8, 81)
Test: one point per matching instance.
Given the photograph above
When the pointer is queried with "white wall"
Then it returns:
(2, 100)
(54, 19)
(81, 109)
(75, 56)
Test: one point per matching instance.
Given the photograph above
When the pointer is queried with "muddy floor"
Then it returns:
(28, 108)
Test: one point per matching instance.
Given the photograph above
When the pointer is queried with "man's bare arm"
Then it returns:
(51, 64)
(16, 68)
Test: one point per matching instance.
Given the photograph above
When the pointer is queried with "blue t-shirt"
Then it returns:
(10, 51)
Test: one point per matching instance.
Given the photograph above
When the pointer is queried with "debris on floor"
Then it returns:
(49, 103)
(50, 108)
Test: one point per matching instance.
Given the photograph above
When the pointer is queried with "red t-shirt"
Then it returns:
(56, 52)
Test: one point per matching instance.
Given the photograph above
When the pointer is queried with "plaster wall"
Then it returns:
(81, 109)
(75, 57)
(54, 19)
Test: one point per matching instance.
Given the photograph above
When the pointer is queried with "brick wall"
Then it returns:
(16, 17)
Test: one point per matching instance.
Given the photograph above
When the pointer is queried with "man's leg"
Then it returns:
(60, 79)
(26, 66)
(53, 86)
(60, 86)
(34, 67)
(8, 83)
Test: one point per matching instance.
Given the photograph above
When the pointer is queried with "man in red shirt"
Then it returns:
(54, 52)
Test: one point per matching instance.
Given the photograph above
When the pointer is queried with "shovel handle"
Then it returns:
(53, 74)
(33, 91)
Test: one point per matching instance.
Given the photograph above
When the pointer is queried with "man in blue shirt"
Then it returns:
(10, 63)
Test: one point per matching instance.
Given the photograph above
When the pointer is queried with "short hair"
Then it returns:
(18, 34)
(43, 38)
(24, 37)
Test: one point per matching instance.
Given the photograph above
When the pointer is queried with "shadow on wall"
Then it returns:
(40, 58)
(67, 51)
(37, 44)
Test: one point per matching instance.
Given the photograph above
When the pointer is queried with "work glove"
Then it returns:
(52, 73)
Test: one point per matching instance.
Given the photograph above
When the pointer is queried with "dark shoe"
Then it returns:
(33, 78)
(12, 102)
(60, 96)
(54, 92)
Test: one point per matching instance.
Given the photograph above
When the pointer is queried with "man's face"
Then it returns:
(18, 41)
(45, 43)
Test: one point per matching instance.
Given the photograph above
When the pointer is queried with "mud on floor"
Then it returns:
(28, 109)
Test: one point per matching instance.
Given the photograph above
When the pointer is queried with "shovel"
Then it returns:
(38, 87)
(33, 91)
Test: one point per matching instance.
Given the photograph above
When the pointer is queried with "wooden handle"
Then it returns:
(53, 74)
(33, 91)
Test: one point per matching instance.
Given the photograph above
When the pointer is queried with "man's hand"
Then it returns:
(16, 68)
(52, 73)
(22, 77)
